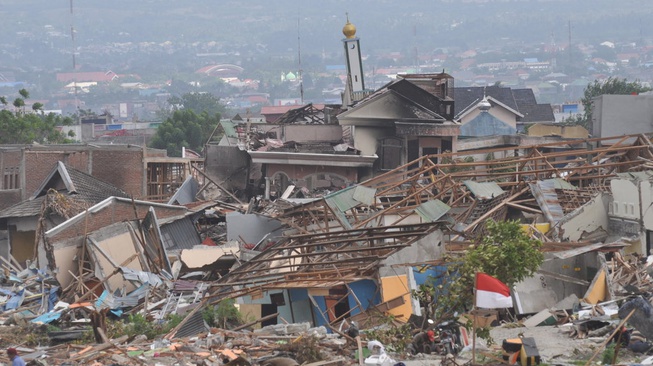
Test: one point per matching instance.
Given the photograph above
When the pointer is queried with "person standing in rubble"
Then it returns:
(16, 360)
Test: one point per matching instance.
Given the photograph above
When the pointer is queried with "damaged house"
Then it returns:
(140, 172)
(346, 245)
(64, 193)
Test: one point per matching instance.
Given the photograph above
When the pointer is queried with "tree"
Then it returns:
(184, 128)
(597, 88)
(27, 128)
(19, 127)
(505, 251)
(198, 103)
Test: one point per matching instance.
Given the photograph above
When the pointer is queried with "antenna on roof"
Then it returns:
(484, 105)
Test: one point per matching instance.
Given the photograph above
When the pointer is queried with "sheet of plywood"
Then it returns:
(598, 290)
(111, 252)
(200, 257)
(397, 286)
(65, 260)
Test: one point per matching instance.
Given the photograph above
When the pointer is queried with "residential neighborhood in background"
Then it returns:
(326, 200)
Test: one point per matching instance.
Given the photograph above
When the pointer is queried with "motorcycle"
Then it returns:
(444, 340)
(448, 340)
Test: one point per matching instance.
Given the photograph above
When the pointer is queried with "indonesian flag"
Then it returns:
(491, 293)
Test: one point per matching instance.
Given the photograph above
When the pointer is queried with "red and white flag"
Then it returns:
(491, 293)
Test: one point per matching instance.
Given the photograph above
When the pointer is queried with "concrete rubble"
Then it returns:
(348, 256)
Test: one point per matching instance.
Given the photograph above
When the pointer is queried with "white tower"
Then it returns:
(353, 55)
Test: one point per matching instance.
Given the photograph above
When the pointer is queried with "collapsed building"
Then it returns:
(351, 254)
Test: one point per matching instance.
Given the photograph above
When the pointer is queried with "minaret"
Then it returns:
(353, 55)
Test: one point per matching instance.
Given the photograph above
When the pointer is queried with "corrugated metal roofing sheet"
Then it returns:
(180, 234)
(484, 190)
(195, 324)
(560, 183)
(432, 211)
(546, 196)
(365, 195)
(186, 192)
(343, 199)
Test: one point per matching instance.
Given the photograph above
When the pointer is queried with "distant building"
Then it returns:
(616, 115)
(98, 77)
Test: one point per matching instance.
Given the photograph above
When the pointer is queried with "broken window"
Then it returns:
(390, 153)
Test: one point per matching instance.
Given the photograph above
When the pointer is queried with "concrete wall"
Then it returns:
(227, 164)
(590, 217)
(616, 115)
(430, 247)
(366, 139)
(284, 310)
(646, 204)
(315, 176)
(626, 200)
(570, 132)
(303, 133)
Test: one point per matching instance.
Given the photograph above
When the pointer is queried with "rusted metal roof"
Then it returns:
(546, 196)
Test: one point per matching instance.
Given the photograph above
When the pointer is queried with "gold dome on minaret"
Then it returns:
(349, 30)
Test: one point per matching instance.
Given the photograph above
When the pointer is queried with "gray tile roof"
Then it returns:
(25, 208)
(465, 96)
(537, 113)
(521, 100)
(80, 186)
(412, 93)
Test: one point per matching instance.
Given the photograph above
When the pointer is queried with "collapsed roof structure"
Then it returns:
(344, 236)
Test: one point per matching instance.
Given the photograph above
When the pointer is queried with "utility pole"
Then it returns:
(72, 38)
(299, 60)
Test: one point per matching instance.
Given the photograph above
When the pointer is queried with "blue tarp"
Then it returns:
(47, 318)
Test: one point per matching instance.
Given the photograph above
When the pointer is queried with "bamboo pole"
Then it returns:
(610, 337)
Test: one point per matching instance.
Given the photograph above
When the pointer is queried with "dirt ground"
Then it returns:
(554, 346)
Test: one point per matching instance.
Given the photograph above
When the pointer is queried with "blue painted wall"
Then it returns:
(485, 124)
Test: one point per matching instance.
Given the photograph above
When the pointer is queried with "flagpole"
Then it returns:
(474, 324)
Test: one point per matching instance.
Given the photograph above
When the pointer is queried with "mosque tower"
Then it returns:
(354, 60)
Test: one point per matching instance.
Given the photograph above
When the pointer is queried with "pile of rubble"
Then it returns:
(290, 344)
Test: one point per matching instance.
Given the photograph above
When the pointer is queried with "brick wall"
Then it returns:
(38, 165)
(122, 168)
(10, 163)
(118, 211)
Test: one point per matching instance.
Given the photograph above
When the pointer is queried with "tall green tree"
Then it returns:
(19, 127)
(505, 252)
(199, 103)
(612, 85)
(184, 128)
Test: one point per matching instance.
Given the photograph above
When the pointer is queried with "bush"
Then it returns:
(225, 315)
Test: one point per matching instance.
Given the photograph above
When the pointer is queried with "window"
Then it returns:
(11, 178)
(390, 153)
